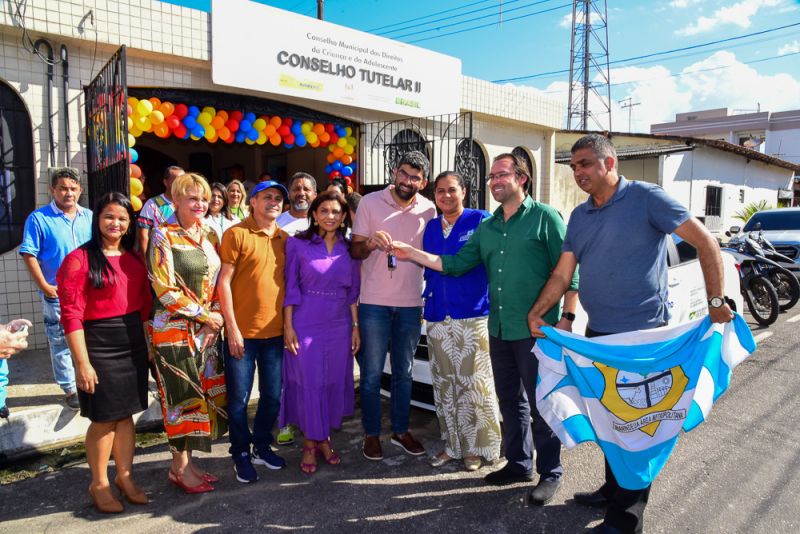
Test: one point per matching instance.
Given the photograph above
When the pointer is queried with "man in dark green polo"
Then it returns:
(519, 246)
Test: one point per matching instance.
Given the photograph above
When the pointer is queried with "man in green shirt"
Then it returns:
(519, 246)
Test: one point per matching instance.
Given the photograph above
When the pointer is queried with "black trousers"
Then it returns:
(515, 370)
(625, 510)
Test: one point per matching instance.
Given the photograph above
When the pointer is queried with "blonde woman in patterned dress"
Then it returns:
(183, 262)
(456, 311)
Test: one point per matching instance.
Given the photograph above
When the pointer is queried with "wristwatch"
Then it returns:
(568, 316)
(716, 302)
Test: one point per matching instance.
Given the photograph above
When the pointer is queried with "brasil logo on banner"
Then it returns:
(632, 393)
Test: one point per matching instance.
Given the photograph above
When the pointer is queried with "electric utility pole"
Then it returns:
(588, 65)
(628, 104)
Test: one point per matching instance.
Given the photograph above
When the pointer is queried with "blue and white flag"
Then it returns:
(632, 393)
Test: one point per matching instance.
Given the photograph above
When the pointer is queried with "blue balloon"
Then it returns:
(250, 117)
(187, 134)
(252, 134)
(190, 122)
(328, 169)
(245, 125)
(287, 145)
(347, 171)
(198, 130)
(240, 136)
(300, 139)
(337, 165)
(134, 155)
(341, 132)
(297, 128)
(194, 111)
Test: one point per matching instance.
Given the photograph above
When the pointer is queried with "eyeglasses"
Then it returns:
(405, 176)
(498, 176)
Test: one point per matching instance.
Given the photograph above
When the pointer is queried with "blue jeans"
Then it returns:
(60, 356)
(3, 381)
(267, 354)
(381, 325)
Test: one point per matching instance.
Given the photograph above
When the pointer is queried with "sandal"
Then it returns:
(309, 468)
(333, 458)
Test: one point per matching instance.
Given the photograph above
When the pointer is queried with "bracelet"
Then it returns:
(568, 316)
(355, 324)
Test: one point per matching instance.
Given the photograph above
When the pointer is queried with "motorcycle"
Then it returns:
(782, 271)
(757, 290)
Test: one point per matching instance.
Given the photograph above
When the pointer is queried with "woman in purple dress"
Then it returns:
(320, 328)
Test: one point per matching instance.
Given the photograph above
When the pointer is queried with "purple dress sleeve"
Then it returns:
(293, 297)
(355, 281)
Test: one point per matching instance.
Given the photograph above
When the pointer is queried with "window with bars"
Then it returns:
(713, 201)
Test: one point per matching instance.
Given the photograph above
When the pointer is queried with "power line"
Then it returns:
(456, 15)
(687, 73)
(491, 15)
(654, 54)
(374, 30)
(480, 26)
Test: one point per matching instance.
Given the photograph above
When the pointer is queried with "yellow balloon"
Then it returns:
(144, 107)
(136, 202)
(312, 138)
(208, 109)
(249, 141)
(205, 119)
(259, 124)
(193, 137)
(348, 149)
(135, 131)
(348, 131)
(352, 141)
(131, 140)
(210, 134)
(262, 138)
(156, 117)
(306, 128)
(342, 142)
(136, 187)
(130, 123)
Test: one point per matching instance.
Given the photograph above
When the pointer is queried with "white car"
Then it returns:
(687, 301)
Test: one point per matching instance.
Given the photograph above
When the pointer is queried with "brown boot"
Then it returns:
(105, 501)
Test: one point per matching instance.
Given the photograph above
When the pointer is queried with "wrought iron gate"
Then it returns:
(107, 129)
(445, 139)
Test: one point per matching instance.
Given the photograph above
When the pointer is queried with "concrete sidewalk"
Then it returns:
(40, 420)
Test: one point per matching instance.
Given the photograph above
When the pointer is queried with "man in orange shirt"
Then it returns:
(251, 289)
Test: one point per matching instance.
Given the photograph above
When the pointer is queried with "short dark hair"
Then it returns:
(70, 173)
(519, 164)
(302, 176)
(600, 145)
(454, 174)
(326, 196)
(353, 200)
(416, 160)
(169, 170)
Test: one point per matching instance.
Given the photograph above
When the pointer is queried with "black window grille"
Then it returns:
(713, 201)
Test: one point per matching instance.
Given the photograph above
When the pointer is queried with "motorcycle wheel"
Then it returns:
(762, 300)
(786, 286)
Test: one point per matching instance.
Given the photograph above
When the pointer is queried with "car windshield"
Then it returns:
(775, 220)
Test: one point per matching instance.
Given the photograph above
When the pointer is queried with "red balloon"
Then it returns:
(284, 131)
(235, 115)
(180, 131)
(348, 180)
(289, 139)
(173, 121)
(286, 121)
(232, 125)
(329, 128)
(230, 139)
(334, 138)
(335, 174)
(130, 110)
(181, 111)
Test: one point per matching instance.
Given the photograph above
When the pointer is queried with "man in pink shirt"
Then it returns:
(390, 308)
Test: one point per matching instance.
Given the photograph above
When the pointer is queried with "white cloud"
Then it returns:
(739, 14)
(680, 4)
(702, 85)
(566, 20)
(789, 48)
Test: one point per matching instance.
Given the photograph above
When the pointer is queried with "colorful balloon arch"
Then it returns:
(166, 119)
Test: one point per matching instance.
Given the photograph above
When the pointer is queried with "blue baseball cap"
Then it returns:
(267, 184)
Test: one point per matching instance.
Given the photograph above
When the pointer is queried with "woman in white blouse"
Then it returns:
(218, 216)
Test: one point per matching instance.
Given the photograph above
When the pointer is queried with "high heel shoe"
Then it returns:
(333, 458)
(203, 487)
(136, 497)
(309, 468)
(207, 477)
(107, 504)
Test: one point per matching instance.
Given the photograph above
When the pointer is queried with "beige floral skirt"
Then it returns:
(463, 387)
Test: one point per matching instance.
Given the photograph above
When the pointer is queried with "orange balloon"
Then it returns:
(324, 137)
(213, 139)
(161, 130)
(338, 152)
(346, 160)
(275, 139)
(331, 158)
(217, 122)
(155, 101)
(276, 122)
(224, 133)
(318, 129)
(269, 130)
(167, 108)
(224, 114)
(136, 172)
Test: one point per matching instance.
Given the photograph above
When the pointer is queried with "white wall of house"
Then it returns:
(687, 175)
(784, 144)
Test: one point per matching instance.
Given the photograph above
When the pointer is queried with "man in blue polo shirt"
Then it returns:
(618, 237)
(52, 232)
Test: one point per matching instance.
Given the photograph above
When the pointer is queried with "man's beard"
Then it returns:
(404, 194)
(300, 205)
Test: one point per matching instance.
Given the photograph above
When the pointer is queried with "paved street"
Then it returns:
(739, 472)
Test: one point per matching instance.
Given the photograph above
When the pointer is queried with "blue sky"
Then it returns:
(739, 74)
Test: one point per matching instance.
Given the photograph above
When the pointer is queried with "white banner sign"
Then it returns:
(262, 48)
